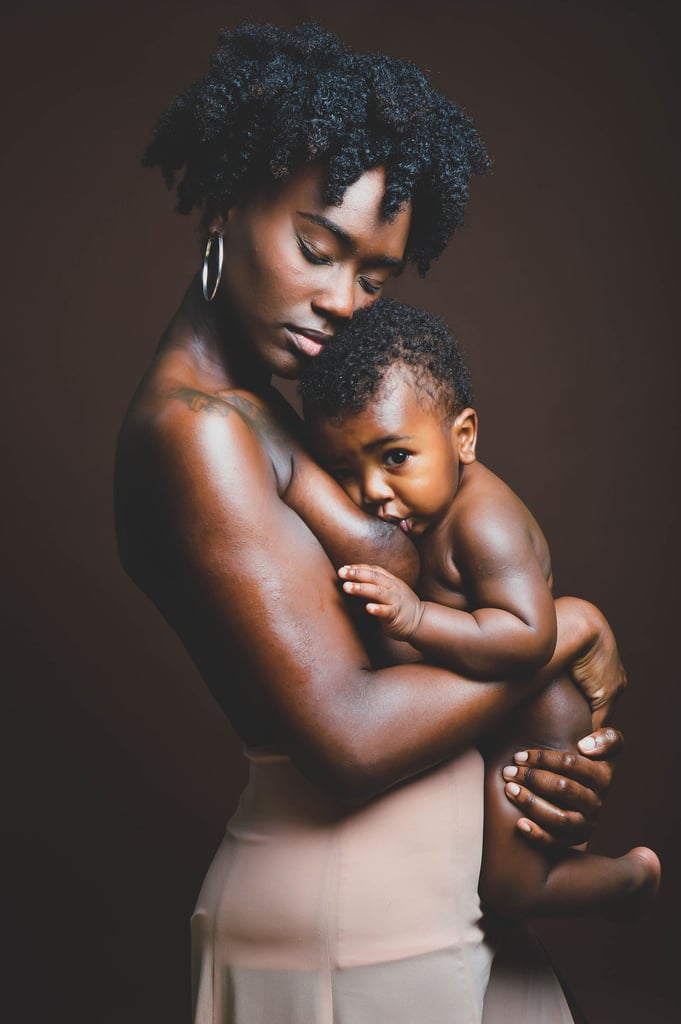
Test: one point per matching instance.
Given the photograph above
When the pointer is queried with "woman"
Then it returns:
(345, 889)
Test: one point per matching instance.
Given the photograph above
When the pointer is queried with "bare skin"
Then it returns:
(517, 879)
(220, 508)
(484, 606)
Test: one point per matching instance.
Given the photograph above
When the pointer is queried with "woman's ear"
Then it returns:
(465, 434)
(218, 225)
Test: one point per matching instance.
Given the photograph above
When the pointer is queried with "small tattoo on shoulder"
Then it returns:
(200, 401)
(226, 402)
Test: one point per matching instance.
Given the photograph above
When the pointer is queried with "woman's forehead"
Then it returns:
(358, 221)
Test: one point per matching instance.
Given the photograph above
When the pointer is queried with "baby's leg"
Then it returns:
(518, 879)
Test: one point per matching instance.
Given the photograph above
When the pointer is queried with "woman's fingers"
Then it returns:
(562, 792)
(559, 792)
(604, 743)
(544, 822)
(546, 768)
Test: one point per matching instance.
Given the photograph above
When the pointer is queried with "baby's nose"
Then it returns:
(376, 488)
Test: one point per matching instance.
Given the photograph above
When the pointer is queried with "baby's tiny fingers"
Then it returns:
(369, 591)
(363, 573)
(380, 611)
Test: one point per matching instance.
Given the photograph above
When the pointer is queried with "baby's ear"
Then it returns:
(465, 434)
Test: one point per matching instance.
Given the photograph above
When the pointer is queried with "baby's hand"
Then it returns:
(389, 598)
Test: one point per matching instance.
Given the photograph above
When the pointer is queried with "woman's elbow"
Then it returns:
(345, 769)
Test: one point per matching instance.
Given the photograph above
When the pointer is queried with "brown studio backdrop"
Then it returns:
(561, 288)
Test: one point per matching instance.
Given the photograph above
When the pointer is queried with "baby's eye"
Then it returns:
(311, 255)
(396, 457)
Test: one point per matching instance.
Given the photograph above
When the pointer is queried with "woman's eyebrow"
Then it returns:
(380, 261)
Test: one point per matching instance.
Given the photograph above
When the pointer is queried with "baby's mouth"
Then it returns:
(404, 524)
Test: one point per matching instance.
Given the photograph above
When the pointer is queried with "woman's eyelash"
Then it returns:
(326, 261)
(312, 256)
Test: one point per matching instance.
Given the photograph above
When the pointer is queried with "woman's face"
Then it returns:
(295, 268)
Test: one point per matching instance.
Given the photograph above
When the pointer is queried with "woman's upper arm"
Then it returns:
(347, 533)
(257, 571)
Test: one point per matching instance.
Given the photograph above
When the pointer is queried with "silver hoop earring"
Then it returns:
(204, 268)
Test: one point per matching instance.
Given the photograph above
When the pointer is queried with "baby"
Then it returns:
(388, 408)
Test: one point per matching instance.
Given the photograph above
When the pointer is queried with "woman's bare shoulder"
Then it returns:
(176, 424)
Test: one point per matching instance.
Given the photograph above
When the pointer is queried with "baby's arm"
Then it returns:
(518, 879)
(512, 627)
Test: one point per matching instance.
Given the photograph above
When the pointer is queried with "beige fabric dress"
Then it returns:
(314, 914)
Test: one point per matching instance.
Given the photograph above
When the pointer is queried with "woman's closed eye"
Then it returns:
(321, 259)
(312, 255)
(370, 287)
(396, 457)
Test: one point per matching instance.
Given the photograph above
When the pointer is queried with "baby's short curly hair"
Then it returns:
(275, 100)
(349, 372)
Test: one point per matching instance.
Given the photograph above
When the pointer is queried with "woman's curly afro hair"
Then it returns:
(344, 378)
(274, 100)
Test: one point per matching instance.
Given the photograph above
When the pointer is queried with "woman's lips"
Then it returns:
(309, 342)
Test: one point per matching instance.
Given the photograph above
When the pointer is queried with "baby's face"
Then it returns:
(399, 459)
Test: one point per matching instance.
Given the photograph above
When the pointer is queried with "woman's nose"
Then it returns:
(337, 301)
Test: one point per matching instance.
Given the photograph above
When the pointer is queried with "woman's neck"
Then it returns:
(217, 347)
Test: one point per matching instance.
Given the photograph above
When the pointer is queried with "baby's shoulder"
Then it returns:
(489, 517)
(485, 500)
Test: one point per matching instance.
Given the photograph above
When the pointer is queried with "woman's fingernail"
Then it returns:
(513, 788)
(522, 756)
(510, 772)
(524, 825)
(588, 743)
(343, 570)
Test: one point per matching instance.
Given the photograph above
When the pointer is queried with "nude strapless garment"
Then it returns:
(312, 913)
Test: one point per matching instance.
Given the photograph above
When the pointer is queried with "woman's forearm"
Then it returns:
(389, 725)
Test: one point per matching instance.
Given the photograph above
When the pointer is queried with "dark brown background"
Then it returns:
(562, 287)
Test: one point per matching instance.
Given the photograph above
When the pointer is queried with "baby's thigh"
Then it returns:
(555, 719)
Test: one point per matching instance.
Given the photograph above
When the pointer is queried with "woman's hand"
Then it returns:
(598, 671)
(560, 792)
(596, 667)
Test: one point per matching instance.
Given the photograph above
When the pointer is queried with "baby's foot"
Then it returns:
(645, 875)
